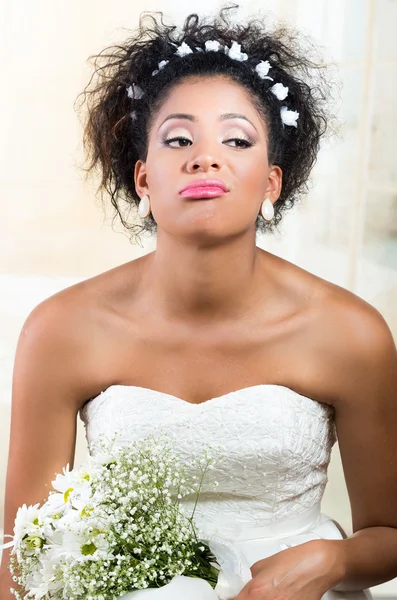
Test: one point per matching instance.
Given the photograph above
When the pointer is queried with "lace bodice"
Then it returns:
(276, 445)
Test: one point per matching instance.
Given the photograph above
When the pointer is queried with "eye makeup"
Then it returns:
(235, 134)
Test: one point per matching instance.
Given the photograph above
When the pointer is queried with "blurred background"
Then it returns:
(53, 232)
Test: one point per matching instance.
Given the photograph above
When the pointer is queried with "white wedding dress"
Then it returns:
(277, 446)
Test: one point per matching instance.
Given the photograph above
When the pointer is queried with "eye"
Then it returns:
(240, 143)
(178, 138)
(183, 142)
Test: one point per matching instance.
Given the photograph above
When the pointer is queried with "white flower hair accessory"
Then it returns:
(212, 46)
(134, 91)
(235, 53)
(279, 90)
(183, 50)
(288, 117)
(262, 69)
(161, 66)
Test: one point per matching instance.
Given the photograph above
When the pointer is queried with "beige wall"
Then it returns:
(52, 231)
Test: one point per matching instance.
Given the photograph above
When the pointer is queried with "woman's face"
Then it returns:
(207, 128)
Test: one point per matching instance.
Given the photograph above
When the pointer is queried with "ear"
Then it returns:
(140, 178)
(275, 179)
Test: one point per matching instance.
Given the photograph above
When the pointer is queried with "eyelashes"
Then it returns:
(246, 143)
(169, 141)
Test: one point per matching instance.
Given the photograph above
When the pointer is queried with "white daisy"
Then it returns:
(27, 522)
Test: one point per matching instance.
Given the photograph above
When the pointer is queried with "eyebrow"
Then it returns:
(194, 119)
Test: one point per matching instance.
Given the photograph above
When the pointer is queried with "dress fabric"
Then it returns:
(276, 446)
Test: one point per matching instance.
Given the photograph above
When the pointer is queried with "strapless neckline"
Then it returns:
(210, 401)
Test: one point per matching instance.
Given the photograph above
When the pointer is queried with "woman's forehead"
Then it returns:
(209, 97)
(212, 87)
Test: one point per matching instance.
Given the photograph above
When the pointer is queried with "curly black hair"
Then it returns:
(117, 125)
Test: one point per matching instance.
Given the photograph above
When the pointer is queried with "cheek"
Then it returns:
(252, 175)
(161, 169)
(250, 181)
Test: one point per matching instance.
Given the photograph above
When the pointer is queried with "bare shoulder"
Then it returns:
(75, 309)
(56, 340)
(51, 344)
(356, 343)
(70, 333)
(359, 320)
(361, 327)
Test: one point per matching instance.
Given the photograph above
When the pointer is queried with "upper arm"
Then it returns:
(45, 401)
(366, 415)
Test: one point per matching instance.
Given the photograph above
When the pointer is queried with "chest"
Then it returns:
(199, 363)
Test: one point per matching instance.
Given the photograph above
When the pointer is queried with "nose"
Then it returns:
(203, 161)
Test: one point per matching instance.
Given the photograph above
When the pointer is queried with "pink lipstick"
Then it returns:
(204, 188)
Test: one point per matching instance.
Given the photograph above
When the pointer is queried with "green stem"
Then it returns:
(199, 490)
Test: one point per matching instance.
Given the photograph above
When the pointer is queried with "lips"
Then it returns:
(204, 188)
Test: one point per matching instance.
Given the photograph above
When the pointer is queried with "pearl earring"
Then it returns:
(144, 206)
(267, 209)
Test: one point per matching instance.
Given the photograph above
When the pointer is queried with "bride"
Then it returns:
(212, 131)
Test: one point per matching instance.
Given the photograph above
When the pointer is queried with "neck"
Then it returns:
(189, 281)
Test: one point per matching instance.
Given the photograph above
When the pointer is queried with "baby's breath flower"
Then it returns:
(115, 525)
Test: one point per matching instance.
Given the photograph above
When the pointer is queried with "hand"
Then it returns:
(303, 572)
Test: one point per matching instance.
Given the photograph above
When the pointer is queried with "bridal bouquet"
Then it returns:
(113, 526)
